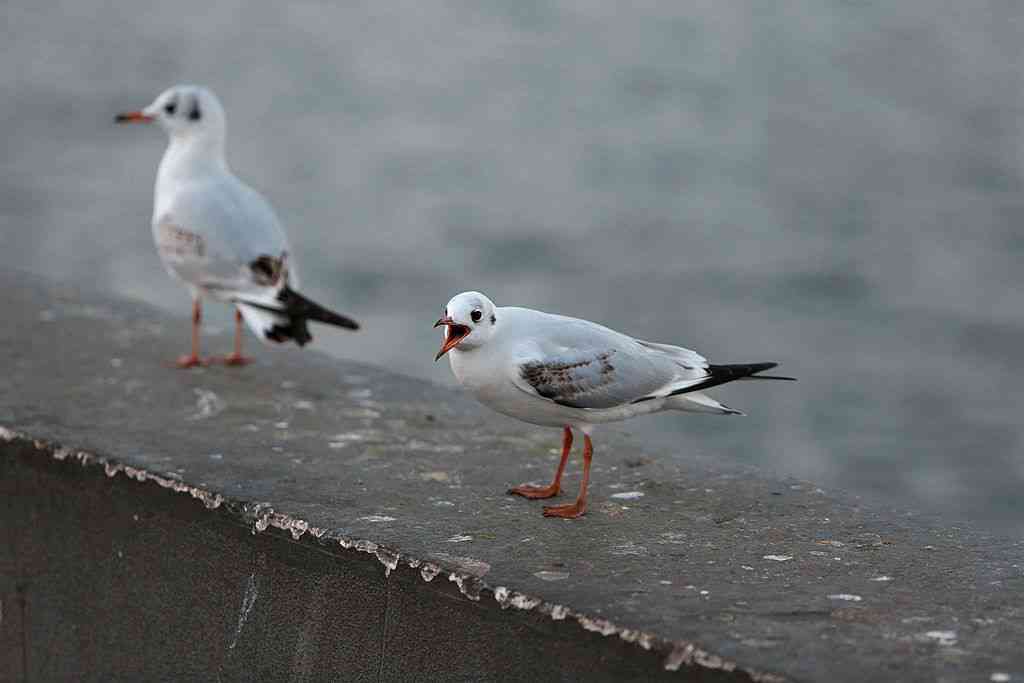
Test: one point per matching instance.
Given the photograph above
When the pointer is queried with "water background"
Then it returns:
(832, 184)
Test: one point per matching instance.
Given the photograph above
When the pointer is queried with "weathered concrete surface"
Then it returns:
(152, 479)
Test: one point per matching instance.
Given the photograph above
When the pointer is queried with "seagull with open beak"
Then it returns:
(556, 371)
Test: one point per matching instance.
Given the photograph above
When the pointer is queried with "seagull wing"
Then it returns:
(580, 364)
(219, 234)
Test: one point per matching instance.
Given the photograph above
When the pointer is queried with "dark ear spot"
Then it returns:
(494, 318)
(194, 114)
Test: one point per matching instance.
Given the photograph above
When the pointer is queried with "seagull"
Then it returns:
(216, 234)
(556, 371)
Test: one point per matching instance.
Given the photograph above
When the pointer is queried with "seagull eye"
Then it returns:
(476, 315)
(170, 108)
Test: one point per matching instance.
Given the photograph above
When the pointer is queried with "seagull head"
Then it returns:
(469, 320)
(184, 111)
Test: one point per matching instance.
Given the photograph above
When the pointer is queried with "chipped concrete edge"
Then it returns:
(676, 653)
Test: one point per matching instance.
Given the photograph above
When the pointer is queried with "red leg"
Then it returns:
(192, 360)
(577, 509)
(551, 491)
(236, 357)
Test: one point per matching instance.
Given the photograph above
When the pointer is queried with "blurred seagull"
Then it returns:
(565, 372)
(218, 235)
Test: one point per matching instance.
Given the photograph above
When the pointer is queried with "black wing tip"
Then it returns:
(347, 323)
(744, 370)
(330, 318)
(757, 368)
(738, 368)
(723, 374)
(296, 305)
(337, 321)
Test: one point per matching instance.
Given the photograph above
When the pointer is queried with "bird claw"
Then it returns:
(190, 361)
(534, 492)
(570, 511)
(237, 360)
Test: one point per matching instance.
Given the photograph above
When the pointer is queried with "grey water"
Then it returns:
(837, 185)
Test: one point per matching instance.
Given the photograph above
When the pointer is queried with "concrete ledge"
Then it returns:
(307, 518)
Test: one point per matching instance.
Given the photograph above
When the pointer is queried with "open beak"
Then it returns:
(133, 117)
(453, 335)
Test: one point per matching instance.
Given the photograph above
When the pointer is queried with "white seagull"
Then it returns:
(218, 235)
(556, 371)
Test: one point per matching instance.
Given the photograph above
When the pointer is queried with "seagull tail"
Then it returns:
(696, 402)
(284, 316)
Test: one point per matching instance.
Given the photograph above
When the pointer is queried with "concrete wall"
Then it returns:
(108, 579)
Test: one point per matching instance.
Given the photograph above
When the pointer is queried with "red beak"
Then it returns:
(453, 335)
(133, 117)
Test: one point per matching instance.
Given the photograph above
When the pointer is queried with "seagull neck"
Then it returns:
(189, 155)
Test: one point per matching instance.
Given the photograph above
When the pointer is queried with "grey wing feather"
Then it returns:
(687, 358)
(594, 378)
(575, 380)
